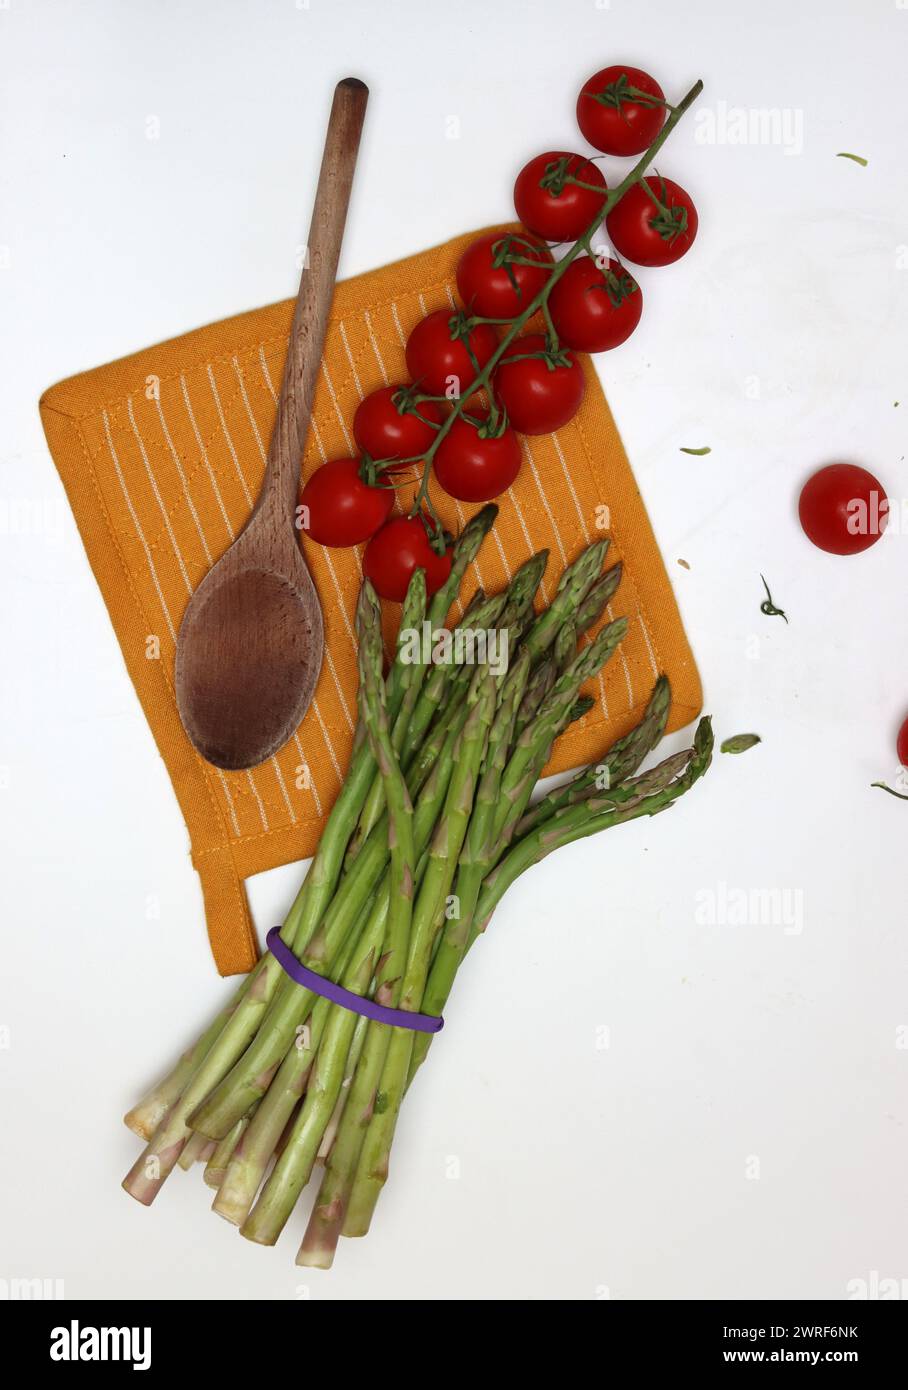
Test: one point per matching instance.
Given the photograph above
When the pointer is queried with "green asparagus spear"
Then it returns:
(573, 587)
(428, 915)
(620, 762)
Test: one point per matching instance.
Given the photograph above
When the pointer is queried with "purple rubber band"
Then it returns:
(356, 1003)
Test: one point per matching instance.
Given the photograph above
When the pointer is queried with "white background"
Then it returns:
(582, 1168)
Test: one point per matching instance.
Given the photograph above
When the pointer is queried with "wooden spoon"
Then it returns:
(250, 645)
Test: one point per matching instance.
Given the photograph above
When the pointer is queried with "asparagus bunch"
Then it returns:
(432, 825)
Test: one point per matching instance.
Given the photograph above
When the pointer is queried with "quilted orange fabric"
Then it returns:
(162, 454)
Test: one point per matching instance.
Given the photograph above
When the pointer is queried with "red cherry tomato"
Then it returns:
(495, 287)
(343, 509)
(435, 354)
(902, 744)
(560, 211)
(621, 110)
(388, 424)
(475, 468)
(843, 509)
(594, 309)
(399, 548)
(648, 234)
(538, 397)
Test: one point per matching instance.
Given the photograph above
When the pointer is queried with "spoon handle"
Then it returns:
(313, 302)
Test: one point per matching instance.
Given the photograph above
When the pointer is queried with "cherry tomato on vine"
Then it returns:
(594, 309)
(654, 228)
(385, 430)
(902, 744)
(843, 509)
(435, 354)
(540, 394)
(496, 286)
(400, 547)
(473, 466)
(549, 205)
(621, 110)
(344, 508)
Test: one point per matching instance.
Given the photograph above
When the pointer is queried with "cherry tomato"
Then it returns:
(435, 354)
(843, 509)
(497, 288)
(902, 744)
(385, 430)
(648, 235)
(538, 397)
(474, 467)
(594, 309)
(400, 547)
(621, 110)
(559, 211)
(344, 509)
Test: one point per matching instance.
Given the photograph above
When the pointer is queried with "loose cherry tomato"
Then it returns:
(344, 508)
(389, 424)
(539, 394)
(473, 466)
(902, 744)
(549, 205)
(495, 286)
(594, 309)
(400, 547)
(621, 110)
(843, 509)
(437, 350)
(652, 232)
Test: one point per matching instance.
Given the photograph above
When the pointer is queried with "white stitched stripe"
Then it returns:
(139, 532)
(397, 324)
(543, 498)
(627, 673)
(337, 410)
(226, 432)
(573, 491)
(227, 792)
(328, 743)
(649, 645)
(255, 793)
(179, 467)
(252, 420)
(374, 341)
(203, 451)
(343, 333)
(154, 487)
(280, 777)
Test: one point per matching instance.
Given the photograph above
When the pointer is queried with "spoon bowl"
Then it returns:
(244, 682)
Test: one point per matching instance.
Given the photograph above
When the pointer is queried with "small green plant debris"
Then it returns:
(768, 606)
(698, 453)
(857, 158)
(739, 743)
